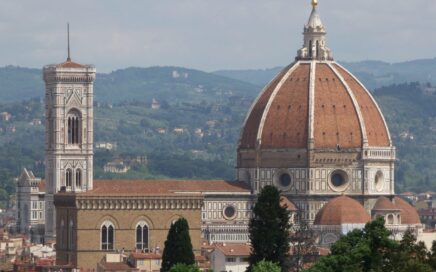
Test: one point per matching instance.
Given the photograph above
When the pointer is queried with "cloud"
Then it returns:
(209, 34)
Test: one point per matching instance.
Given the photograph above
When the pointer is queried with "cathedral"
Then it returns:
(315, 132)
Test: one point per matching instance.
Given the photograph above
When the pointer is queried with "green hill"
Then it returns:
(194, 133)
(374, 74)
(132, 84)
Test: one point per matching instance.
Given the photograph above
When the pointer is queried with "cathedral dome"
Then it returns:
(342, 210)
(318, 102)
(314, 103)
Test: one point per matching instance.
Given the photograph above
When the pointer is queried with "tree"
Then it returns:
(184, 268)
(265, 266)
(269, 230)
(178, 247)
(372, 250)
(302, 239)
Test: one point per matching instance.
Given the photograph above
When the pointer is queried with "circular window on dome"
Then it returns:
(379, 181)
(339, 180)
(229, 212)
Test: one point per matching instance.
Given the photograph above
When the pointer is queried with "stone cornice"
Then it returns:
(129, 202)
(53, 77)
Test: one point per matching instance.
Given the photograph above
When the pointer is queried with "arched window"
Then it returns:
(70, 235)
(69, 178)
(74, 128)
(142, 236)
(78, 178)
(107, 236)
(310, 49)
(317, 49)
(390, 219)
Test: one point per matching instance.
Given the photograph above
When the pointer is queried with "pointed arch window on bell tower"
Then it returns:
(74, 128)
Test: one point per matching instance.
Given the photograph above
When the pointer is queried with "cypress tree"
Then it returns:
(178, 247)
(269, 230)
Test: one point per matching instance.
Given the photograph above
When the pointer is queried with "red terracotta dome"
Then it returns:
(384, 204)
(342, 210)
(317, 102)
(409, 215)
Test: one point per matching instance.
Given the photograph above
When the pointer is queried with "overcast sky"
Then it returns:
(209, 34)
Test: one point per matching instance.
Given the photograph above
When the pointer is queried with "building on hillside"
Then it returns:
(314, 132)
(5, 116)
(155, 105)
(30, 203)
(106, 145)
(116, 166)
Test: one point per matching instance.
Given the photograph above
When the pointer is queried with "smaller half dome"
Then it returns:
(409, 215)
(384, 204)
(342, 210)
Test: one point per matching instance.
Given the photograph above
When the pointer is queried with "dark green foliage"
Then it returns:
(184, 268)
(265, 266)
(269, 230)
(371, 250)
(178, 247)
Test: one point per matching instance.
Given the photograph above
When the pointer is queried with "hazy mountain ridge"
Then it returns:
(374, 74)
(130, 84)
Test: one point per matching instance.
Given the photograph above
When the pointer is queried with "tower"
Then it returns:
(69, 131)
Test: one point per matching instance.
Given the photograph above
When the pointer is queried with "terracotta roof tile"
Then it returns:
(342, 210)
(376, 130)
(163, 187)
(409, 215)
(234, 249)
(384, 203)
(70, 64)
(285, 201)
(336, 120)
(251, 127)
(286, 123)
(140, 255)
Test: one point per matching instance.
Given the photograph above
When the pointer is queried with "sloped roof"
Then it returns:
(164, 187)
(234, 249)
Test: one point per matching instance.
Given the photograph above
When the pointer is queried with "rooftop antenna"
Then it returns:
(68, 39)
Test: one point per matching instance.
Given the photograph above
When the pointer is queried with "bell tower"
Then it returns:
(68, 132)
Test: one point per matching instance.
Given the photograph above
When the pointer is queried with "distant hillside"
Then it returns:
(17, 83)
(132, 84)
(374, 74)
(259, 77)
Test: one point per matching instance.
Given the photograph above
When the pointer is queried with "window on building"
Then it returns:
(78, 178)
(107, 236)
(69, 178)
(231, 259)
(74, 128)
(142, 236)
(70, 235)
